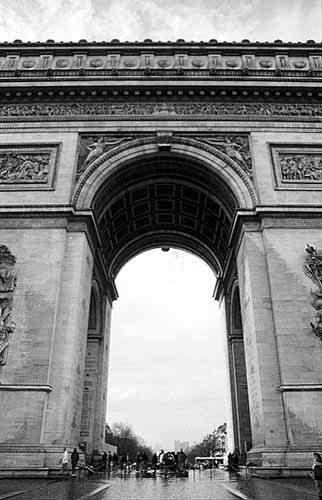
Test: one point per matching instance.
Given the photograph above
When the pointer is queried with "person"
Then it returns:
(317, 473)
(64, 462)
(181, 460)
(109, 460)
(74, 460)
(154, 462)
(161, 456)
(115, 461)
(104, 460)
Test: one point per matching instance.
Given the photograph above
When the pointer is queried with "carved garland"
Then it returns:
(155, 140)
(7, 287)
(313, 270)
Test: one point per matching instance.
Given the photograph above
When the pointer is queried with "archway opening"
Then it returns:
(168, 375)
(164, 199)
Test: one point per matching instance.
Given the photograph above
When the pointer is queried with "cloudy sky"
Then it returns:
(168, 376)
(160, 19)
(168, 373)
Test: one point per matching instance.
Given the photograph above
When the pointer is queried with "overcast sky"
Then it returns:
(160, 19)
(168, 375)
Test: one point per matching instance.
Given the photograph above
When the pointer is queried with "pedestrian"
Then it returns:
(74, 460)
(104, 460)
(109, 460)
(181, 460)
(64, 462)
(317, 473)
(154, 462)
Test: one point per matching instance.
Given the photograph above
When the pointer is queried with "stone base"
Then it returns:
(288, 461)
(276, 472)
(24, 473)
(32, 461)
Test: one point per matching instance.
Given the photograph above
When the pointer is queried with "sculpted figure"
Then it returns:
(6, 326)
(232, 149)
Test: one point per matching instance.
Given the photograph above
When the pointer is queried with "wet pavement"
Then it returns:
(205, 485)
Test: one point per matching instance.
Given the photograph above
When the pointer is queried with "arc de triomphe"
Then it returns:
(109, 149)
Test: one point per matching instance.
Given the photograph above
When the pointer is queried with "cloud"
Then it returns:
(160, 19)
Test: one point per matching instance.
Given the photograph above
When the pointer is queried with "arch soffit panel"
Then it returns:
(215, 161)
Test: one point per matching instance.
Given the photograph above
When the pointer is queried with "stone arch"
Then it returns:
(211, 158)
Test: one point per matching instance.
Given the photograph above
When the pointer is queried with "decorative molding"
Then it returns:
(27, 166)
(174, 110)
(7, 287)
(313, 270)
(297, 166)
(134, 58)
(296, 222)
(25, 387)
(300, 387)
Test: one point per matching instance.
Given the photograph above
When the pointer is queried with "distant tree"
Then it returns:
(210, 445)
(123, 436)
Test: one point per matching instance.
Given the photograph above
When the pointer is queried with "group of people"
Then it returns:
(74, 458)
(175, 461)
(115, 462)
(172, 461)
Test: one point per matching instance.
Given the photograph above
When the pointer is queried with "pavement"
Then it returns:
(205, 485)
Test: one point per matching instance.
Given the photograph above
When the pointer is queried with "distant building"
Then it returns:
(178, 445)
(220, 435)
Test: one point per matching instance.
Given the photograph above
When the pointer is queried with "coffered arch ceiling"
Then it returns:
(164, 200)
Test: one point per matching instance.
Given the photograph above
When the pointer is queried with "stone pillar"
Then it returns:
(270, 439)
(42, 381)
(93, 419)
(299, 350)
(237, 374)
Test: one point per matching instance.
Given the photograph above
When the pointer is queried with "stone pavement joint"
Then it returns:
(12, 494)
(95, 492)
(236, 493)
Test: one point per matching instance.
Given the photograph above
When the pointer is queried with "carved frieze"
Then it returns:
(27, 166)
(7, 287)
(313, 270)
(297, 166)
(158, 110)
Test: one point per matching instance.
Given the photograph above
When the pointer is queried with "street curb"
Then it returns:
(236, 493)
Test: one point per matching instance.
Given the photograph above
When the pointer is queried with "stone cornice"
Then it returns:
(160, 60)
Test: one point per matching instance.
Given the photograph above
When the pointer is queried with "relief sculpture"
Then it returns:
(7, 287)
(236, 147)
(24, 167)
(301, 167)
(313, 270)
(93, 147)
